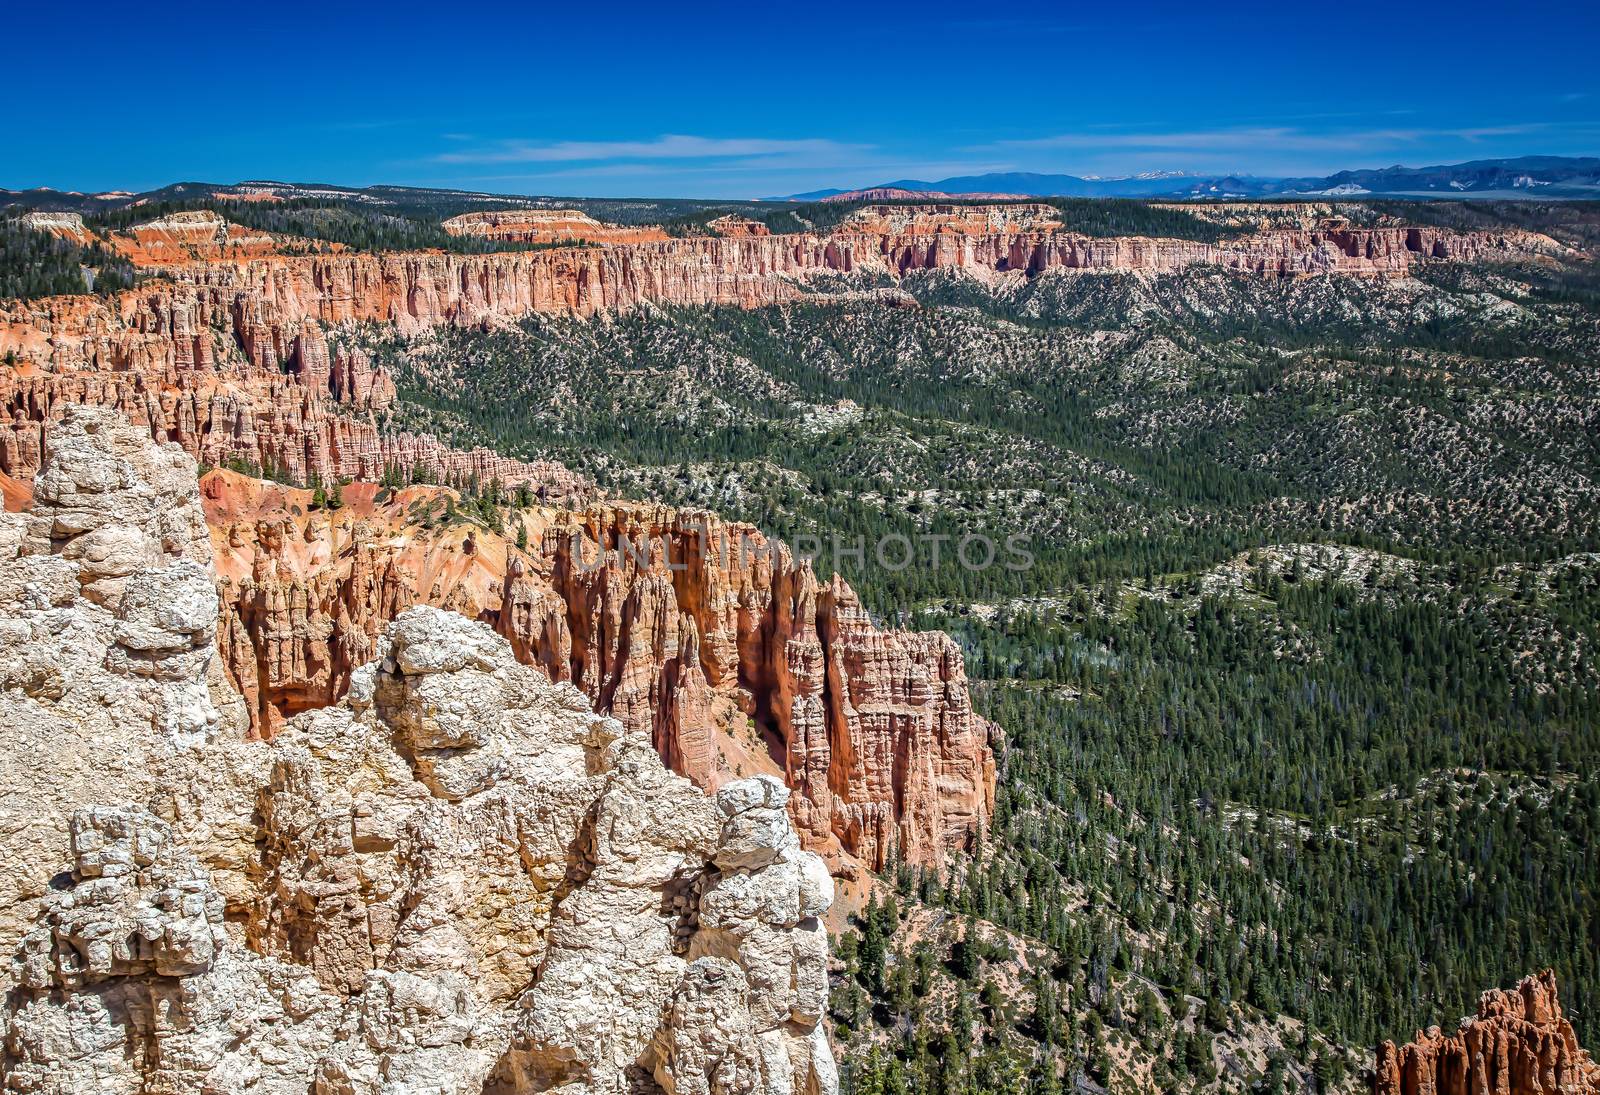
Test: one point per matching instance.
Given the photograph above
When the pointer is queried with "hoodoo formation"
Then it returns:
(704, 637)
(342, 758)
(278, 401)
(1519, 1043)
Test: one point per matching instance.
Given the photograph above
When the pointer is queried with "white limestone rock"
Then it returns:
(135, 904)
(706, 1045)
(109, 498)
(755, 827)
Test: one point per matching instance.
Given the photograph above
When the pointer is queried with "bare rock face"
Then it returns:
(699, 631)
(459, 879)
(189, 236)
(908, 762)
(65, 226)
(734, 225)
(115, 504)
(1518, 1044)
(140, 905)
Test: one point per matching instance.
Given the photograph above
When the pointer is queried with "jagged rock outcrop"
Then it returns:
(703, 636)
(1519, 1043)
(458, 880)
(668, 617)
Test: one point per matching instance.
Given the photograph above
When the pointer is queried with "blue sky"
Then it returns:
(668, 99)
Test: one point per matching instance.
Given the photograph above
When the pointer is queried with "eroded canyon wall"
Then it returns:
(729, 654)
(228, 389)
(226, 355)
(262, 303)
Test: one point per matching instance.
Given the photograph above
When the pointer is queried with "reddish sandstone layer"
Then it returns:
(197, 235)
(228, 386)
(734, 225)
(1519, 1044)
(15, 494)
(178, 239)
(1032, 238)
(733, 657)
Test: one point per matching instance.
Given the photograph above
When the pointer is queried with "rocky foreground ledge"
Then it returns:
(458, 879)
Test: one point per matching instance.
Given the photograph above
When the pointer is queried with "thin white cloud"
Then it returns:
(667, 147)
(730, 178)
(876, 170)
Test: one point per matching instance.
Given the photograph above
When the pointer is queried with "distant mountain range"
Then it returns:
(1558, 177)
(1523, 177)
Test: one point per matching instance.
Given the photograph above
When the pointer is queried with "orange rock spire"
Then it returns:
(1518, 1044)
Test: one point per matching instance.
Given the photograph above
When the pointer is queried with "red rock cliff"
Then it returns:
(227, 358)
(226, 387)
(262, 303)
(1518, 1044)
(731, 655)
